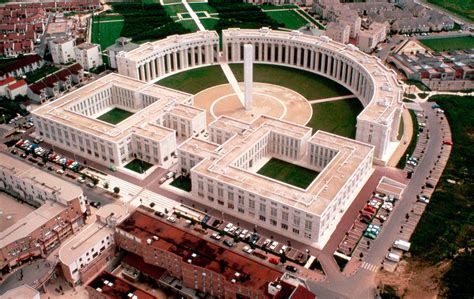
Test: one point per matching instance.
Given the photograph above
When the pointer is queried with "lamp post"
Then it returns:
(3, 116)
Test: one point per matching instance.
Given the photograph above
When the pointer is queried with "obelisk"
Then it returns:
(248, 76)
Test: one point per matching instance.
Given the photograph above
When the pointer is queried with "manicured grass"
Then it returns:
(209, 23)
(190, 25)
(265, 7)
(183, 183)
(446, 229)
(310, 85)
(290, 18)
(449, 44)
(115, 116)
(174, 9)
(414, 139)
(138, 166)
(463, 8)
(337, 117)
(40, 74)
(202, 7)
(199, 14)
(195, 80)
(288, 173)
(105, 30)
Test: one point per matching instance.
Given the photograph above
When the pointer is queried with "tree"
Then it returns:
(106, 185)
(116, 190)
(95, 181)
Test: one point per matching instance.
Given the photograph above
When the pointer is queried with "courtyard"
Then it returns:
(115, 116)
(139, 166)
(288, 173)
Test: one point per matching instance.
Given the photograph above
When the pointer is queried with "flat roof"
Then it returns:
(148, 49)
(23, 292)
(40, 179)
(219, 160)
(141, 122)
(113, 287)
(87, 238)
(198, 251)
(33, 221)
(387, 94)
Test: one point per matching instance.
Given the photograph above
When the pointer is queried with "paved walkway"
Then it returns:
(332, 99)
(193, 15)
(232, 81)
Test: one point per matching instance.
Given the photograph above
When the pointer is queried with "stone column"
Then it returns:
(142, 73)
(248, 76)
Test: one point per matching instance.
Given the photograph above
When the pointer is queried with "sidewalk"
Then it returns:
(193, 15)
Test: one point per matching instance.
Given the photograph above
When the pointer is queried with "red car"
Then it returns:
(273, 260)
(370, 209)
(448, 142)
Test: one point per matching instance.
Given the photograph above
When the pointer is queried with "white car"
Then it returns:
(247, 249)
(60, 171)
(81, 180)
(243, 234)
(274, 245)
(216, 236)
(171, 219)
(387, 206)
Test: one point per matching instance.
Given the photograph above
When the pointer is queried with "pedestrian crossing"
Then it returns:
(369, 267)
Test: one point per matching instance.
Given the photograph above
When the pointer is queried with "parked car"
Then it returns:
(447, 142)
(171, 219)
(216, 236)
(424, 199)
(273, 260)
(273, 245)
(247, 249)
(60, 171)
(228, 242)
(159, 214)
(291, 268)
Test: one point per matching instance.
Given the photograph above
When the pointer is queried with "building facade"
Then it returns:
(60, 213)
(369, 39)
(338, 32)
(159, 117)
(154, 60)
(223, 174)
(88, 55)
(365, 76)
(62, 50)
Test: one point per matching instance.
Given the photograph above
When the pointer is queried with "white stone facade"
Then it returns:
(62, 50)
(161, 115)
(369, 39)
(88, 55)
(338, 32)
(154, 60)
(223, 175)
(365, 76)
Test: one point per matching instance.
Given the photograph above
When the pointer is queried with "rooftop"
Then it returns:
(199, 252)
(23, 292)
(40, 179)
(142, 122)
(113, 287)
(219, 163)
(33, 221)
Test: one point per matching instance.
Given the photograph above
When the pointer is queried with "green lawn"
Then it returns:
(199, 14)
(338, 117)
(105, 30)
(463, 8)
(310, 85)
(173, 10)
(115, 116)
(449, 44)
(209, 23)
(190, 25)
(183, 183)
(265, 7)
(414, 139)
(288, 173)
(290, 18)
(40, 74)
(446, 229)
(195, 80)
(202, 7)
(138, 166)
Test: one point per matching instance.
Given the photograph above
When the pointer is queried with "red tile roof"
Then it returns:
(19, 63)
(208, 255)
(138, 263)
(17, 85)
(302, 293)
(6, 81)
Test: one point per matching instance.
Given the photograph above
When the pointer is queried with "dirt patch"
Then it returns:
(414, 279)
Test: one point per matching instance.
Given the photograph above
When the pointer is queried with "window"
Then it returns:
(251, 204)
(273, 212)
(308, 225)
(284, 226)
(296, 231)
(261, 217)
(284, 216)
(273, 222)
(241, 210)
(263, 208)
(296, 220)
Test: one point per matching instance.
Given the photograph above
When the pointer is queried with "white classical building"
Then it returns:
(62, 50)
(375, 85)
(88, 55)
(365, 76)
(224, 175)
(160, 116)
(154, 60)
